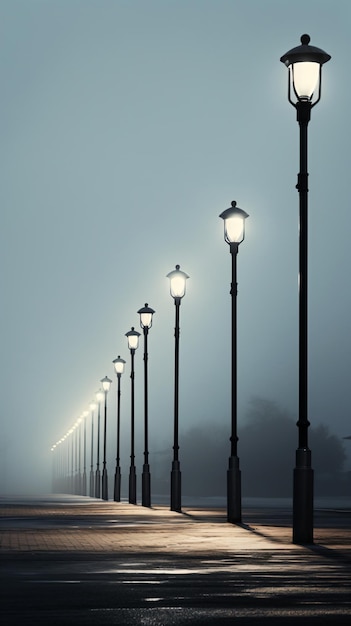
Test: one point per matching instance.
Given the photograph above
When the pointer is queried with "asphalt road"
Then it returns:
(239, 575)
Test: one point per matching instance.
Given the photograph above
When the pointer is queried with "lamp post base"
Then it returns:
(132, 485)
(234, 491)
(146, 483)
(176, 486)
(97, 483)
(303, 498)
(104, 485)
(117, 487)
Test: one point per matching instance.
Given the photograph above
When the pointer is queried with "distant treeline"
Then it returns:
(266, 448)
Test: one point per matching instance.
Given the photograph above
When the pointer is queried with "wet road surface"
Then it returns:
(105, 563)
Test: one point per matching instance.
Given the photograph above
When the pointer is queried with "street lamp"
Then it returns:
(106, 383)
(177, 288)
(133, 342)
(84, 485)
(99, 398)
(234, 233)
(79, 476)
(71, 432)
(146, 314)
(53, 469)
(92, 407)
(119, 369)
(305, 80)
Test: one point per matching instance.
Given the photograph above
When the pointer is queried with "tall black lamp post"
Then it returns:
(79, 475)
(84, 478)
(71, 432)
(234, 233)
(177, 288)
(53, 469)
(75, 437)
(99, 398)
(146, 314)
(119, 369)
(106, 383)
(92, 407)
(305, 72)
(133, 342)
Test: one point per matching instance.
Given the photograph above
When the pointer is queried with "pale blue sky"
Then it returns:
(126, 128)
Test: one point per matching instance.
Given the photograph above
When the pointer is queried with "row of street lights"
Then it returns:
(304, 63)
(78, 483)
(234, 233)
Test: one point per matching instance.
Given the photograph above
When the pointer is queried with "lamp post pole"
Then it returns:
(99, 397)
(305, 68)
(234, 233)
(119, 368)
(106, 383)
(79, 435)
(177, 288)
(146, 314)
(75, 490)
(133, 341)
(92, 408)
(71, 431)
(84, 479)
(68, 480)
(53, 486)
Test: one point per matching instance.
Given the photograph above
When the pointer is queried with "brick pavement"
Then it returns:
(89, 525)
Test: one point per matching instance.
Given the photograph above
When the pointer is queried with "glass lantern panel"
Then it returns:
(146, 319)
(119, 367)
(133, 341)
(305, 76)
(178, 285)
(234, 229)
(99, 396)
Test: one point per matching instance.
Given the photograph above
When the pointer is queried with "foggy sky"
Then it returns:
(126, 128)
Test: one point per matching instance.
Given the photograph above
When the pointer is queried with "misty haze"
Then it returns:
(127, 128)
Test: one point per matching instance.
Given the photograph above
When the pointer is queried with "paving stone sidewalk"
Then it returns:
(89, 525)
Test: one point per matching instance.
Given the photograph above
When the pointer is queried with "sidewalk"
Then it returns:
(71, 523)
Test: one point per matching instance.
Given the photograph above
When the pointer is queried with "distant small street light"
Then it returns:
(106, 383)
(146, 314)
(119, 369)
(99, 398)
(133, 342)
(79, 454)
(84, 478)
(92, 407)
